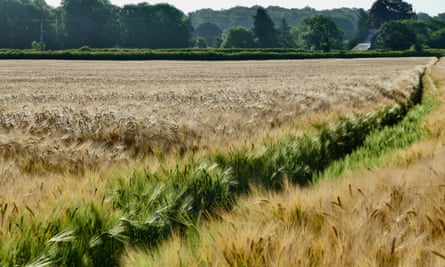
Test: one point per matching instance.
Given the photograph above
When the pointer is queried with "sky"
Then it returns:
(432, 7)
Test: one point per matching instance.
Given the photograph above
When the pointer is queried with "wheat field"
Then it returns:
(75, 116)
(68, 128)
(388, 216)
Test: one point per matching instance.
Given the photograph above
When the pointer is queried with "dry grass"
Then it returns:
(393, 216)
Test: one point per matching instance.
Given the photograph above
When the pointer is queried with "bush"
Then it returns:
(40, 46)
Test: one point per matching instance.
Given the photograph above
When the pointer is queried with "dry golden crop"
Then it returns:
(79, 119)
(389, 216)
(76, 116)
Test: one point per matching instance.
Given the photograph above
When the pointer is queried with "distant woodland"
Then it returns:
(32, 24)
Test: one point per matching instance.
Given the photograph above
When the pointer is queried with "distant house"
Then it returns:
(367, 40)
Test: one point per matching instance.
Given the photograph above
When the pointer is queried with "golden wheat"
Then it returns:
(68, 117)
(393, 216)
(68, 125)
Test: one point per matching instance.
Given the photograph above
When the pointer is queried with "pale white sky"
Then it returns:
(432, 7)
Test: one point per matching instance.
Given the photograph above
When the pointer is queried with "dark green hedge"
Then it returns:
(86, 53)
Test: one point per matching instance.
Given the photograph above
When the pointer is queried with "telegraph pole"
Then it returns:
(42, 30)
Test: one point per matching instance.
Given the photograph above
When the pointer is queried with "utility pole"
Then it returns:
(42, 30)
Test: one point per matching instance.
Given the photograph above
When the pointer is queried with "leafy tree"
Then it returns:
(239, 37)
(345, 25)
(396, 35)
(134, 22)
(173, 25)
(284, 35)
(438, 39)
(345, 18)
(362, 26)
(387, 10)
(319, 33)
(441, 15)
(421, 29)
(264, 29)
(208, 31)
(423, 16)
(217, 42)
(21, 23)
(201, 42)
(436, 24)
(158, 26)
(12, 26)
(89, 22)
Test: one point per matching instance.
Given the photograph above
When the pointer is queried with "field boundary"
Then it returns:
(206, 54)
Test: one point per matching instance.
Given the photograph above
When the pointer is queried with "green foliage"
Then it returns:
(362, 26)
(85, 48)
(201, 42)
(386, 10)
(86, 53)
(396, 35)
(239, 37)
(285, 38)
(429, 32)
(382, 142)
(21, 23)
(89, 23)
(319, 33)
(39, 46)
(209, 31)
(345, 18)
(438, 39)
(423, 16)
(156, 203)
(85, 236)
(157, 26)
(264, 29)
(217, 42)
(421, 29)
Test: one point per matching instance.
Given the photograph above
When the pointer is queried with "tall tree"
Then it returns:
(285, 39)
(386, 10)
(90, 22)
(396, 35)
(157, 26)
(22, 22)
(136, 23)
(209, 31)
(174, 27)
(319, 33)
(264, 29)
(438, 39)
(362, 26)
(11, 24)
(239, 37)
(420, 28)
(46, 26)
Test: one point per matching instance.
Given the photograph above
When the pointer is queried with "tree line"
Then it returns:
(100, 24)
(397, 25)
(400, 28)
(92, 23)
